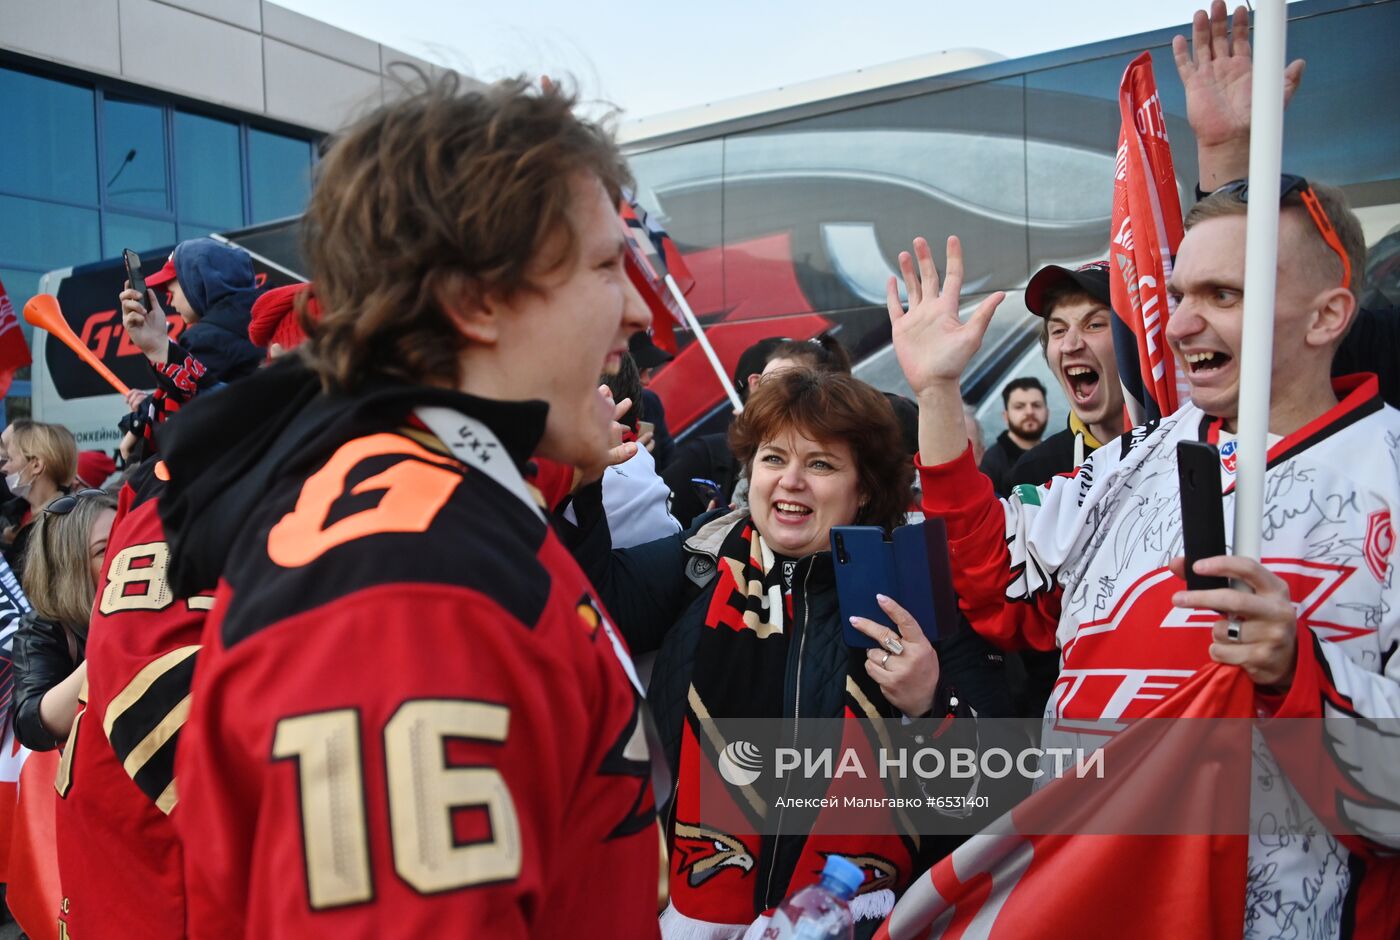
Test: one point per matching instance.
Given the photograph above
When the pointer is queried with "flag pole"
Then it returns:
(704, 342)
(1260, 273)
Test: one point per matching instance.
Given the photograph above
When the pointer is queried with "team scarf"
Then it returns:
(717, 872)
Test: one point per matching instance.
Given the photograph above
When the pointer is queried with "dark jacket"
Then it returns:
(655, 412)
(41, 661)
(659, 594)
(219, 283)
(1049, 458)
(1373, 345)
(998, 461)
(706, 457)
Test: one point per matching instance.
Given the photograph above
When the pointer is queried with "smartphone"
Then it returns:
(1202, 510)
(133, 273)
(707, 490)
(868, 564)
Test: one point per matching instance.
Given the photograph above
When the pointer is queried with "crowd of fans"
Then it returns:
(351, 633)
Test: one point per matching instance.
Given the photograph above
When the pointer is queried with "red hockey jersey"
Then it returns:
(410, 715)
(119, 855)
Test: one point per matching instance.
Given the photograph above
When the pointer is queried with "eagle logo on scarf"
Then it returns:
(701, 853)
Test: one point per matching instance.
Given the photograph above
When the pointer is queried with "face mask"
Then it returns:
(16, 487)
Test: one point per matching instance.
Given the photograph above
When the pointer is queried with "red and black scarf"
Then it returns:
(739, 671)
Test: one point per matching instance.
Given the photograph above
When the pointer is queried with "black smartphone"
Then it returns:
(707, 490)
(899, 567)
(1202, 510)
(133, 273)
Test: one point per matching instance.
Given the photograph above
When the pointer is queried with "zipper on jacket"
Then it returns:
(796, 718)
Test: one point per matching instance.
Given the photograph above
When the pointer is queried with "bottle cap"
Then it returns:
(845, 873)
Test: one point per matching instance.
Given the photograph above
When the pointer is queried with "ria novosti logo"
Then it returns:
(740, 763)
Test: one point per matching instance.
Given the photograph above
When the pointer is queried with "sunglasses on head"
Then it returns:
(1289, 184)
(66, 504)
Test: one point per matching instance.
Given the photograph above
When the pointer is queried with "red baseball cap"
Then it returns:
(165, 275)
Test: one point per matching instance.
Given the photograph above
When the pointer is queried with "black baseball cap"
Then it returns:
(1092, 278)
(645, 352)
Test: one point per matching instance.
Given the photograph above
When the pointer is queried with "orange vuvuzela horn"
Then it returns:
(43, 311)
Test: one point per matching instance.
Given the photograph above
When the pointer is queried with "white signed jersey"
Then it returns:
(1100, 541)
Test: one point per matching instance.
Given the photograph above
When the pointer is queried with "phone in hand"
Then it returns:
(1202, 510)
(133, 274)
(707, 490)
(908, 567)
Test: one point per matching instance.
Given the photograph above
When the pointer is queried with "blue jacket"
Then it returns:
(218, 282)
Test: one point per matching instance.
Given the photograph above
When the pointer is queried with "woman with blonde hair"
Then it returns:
(39, 463)
(63, 566)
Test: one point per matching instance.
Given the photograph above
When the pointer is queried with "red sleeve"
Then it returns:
(962, 496)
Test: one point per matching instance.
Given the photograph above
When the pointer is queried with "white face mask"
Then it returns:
(18, 488)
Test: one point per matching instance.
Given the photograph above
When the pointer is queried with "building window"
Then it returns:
(51, 143)
(133, 152)
(208, 173)
(280, 175)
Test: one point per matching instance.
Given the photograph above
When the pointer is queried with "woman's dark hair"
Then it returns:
(822, 352)
(626, 382)
(831, 406)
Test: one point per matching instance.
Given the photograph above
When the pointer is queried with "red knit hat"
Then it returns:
(274, 320)
(94, 467)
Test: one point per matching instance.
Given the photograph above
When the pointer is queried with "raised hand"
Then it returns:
(1217, 73)
(145, 323)
(932, 345)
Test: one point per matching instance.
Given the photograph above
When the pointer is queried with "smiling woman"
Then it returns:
(743, 612)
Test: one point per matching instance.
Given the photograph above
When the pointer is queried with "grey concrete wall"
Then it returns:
(246, 54)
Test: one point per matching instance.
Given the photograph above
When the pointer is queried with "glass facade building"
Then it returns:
(89, 168)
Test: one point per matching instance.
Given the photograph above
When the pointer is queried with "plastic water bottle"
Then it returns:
(820, 911)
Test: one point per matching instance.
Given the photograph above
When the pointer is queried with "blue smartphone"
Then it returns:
(912, 567)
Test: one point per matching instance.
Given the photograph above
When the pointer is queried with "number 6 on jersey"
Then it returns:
(423, 794)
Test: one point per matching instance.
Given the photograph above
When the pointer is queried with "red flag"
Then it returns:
(1084, 877)
(1146, 232)
(651, 256)
(14, 351)
(34, 892)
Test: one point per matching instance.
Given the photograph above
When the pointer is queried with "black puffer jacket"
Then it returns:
(41, 661)
(659, 594)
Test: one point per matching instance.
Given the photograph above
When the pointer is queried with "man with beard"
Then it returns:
(1025, 413)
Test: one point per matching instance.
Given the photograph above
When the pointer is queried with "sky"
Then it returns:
(652, 58)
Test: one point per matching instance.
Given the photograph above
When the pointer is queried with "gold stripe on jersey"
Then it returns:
(139, 686)
(164, 730)
(167, 799)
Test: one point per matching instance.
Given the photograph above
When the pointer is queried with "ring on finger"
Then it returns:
(891, 643)
(1232, 630)
(885, 660)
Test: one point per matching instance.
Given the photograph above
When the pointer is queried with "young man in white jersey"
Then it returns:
(1091, 562)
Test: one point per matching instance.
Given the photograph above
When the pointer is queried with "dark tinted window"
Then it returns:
(45, 235)
(120, 230)
(280, 170)
(1072, 125)
(1346, 131)
(50, 142)
(208, 171)
(134, 153)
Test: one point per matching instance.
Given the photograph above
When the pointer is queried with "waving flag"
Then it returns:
(653, 255)
(14, 351)
(13, 606)
(1076, 858)
(1146, 232)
